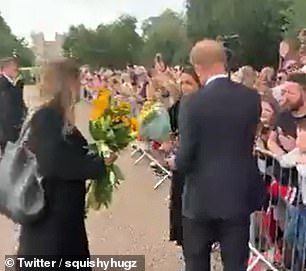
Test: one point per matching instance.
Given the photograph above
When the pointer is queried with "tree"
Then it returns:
(200, 20)
(260, 25)
(10, 43)
(165, 34)
(125, 42)
(81, 43)
(113, 44)
(297, 18)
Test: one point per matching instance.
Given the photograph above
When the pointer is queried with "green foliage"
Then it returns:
(27, 76)
(10, 44)
(165, 34)
(118, 43)
(297, 18)
(260, 25)
(116, 137)
(100, 191)
(109, 45)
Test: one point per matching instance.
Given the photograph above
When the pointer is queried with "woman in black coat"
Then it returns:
(20, 84)
(173, 114)
(189, 84)
(65, 165)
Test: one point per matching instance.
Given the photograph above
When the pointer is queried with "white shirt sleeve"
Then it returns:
(289, 160)
(302, 171)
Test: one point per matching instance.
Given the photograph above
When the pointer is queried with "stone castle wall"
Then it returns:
(46, 51)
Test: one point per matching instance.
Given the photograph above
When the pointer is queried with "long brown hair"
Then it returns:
(188, 69)
(263, 130)
(269, 99)
(55, 88)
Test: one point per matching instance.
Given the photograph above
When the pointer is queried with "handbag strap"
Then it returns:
(25, 129)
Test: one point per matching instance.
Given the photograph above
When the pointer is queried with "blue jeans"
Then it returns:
(295, 233)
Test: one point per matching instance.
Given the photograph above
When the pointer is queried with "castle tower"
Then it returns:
(46, 51)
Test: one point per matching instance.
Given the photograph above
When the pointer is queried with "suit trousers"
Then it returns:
(2, 148)
(233, 235)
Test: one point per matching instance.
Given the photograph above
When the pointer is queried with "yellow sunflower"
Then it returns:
(122, 107)
(134, 124)
(104, 91)
(126, 121)
(100, 105)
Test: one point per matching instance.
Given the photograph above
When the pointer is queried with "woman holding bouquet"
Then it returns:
(65, 165)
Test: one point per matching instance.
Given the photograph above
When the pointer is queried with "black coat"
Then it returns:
(217, 128)
(177, 184)
(20, 84)
(65, 165)
(173, 114)
(12, 111)
(176, 190)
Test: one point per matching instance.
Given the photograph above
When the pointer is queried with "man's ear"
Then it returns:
(197, 69)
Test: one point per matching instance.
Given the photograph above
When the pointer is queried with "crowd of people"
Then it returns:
(279, 142)
(237, 146)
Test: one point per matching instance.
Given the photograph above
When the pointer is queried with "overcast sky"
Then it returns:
(50, 16)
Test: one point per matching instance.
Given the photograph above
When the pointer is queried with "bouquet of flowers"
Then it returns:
(112, 130)
(154, 122)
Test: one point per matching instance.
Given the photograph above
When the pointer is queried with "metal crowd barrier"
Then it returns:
(278, 231)
(277, 235)
(144, 150)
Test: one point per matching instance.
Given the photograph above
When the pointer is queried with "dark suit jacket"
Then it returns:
(12, 111)
(217, 132)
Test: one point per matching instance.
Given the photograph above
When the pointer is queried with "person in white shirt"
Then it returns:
(297, 157)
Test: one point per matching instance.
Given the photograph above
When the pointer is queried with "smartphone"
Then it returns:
(279, 131)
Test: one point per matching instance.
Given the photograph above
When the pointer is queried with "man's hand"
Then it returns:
(166, 146)
(273, 146)
(171, 162)
(273, 136)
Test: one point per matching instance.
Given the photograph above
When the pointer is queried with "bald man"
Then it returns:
(222, 188)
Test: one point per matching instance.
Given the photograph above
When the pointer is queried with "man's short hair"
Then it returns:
(298, 78)
(7, 61)
(207, 52)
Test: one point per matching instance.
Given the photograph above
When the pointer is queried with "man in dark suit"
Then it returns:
(222, 186)
(12, 107)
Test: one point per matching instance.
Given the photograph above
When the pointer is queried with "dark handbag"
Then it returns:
(22, 196)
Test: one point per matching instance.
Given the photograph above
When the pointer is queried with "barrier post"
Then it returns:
(140, 158)
(160, 182)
